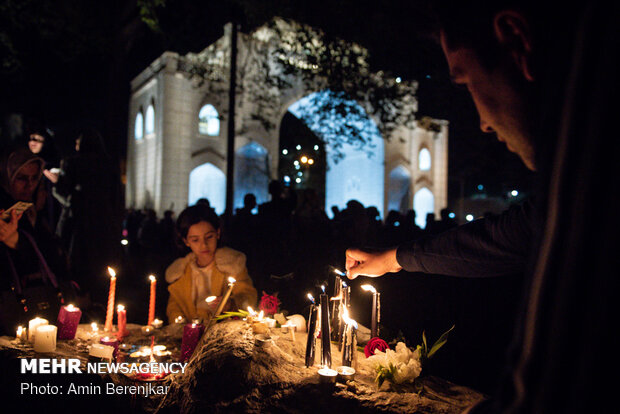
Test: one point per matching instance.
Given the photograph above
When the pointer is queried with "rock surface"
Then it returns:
(235, 373)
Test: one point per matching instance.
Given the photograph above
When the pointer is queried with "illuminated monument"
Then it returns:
(178, 131)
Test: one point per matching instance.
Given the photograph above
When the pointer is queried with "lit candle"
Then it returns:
(45, 338)
(111, 295)
(21, 334)
(121, 321)
(191, 335)
(376, 310)
(326, 351)
(327, 375)
(152, 300)
(345, 373)
(110, 341)
(179, 319)
(157, 323)
(220, 308)
(312, 333)
(68, 321)
(94, 328)
(349, 340)
(336, 321)
(33, 324)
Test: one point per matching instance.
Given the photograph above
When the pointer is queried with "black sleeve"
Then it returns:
(492, 246)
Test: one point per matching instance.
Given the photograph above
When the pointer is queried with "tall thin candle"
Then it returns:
(326, 351)
(231, 285)
(311, 341)
(374, 327)
(152, 300)
(110, 312)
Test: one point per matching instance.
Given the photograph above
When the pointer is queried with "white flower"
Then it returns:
(406, 362)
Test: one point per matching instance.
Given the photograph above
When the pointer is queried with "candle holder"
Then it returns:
(345, 373)
(111, 341)
(327, 376)
(157, 323)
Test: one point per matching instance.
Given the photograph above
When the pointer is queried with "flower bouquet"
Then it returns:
(402, 365)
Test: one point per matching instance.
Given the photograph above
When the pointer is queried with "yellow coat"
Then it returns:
(228, 262)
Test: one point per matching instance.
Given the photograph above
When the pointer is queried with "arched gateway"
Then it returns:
(185, 154)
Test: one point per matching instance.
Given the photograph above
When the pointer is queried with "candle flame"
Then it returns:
(369, 288)
(347, 320)
(94, 326)
(339, 272)
(193, 325)
(260, 315)
(70, 307)
(120, 308)
(311, 298)
(210, 299)
(231, 280)
(251, 311)
(152, 278)
(111, 272)
(323, 288)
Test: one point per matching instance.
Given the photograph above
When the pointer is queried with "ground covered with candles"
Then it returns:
(234, 369)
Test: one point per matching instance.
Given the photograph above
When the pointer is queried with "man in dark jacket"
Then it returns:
(545, 85)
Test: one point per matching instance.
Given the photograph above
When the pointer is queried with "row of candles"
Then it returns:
(43, 336)
(340, 327)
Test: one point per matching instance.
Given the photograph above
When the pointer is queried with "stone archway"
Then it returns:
(399, 184)
(208, 181)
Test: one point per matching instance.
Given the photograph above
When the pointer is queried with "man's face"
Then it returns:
(25, 182)
(500, 96)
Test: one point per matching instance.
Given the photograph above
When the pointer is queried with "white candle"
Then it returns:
(157, 323)
(101, 351)
(33, 325)
(45, 338)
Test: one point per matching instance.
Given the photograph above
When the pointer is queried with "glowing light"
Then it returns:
(124, 242)
(296, 163)
(347, 320)
(152, 278)
(298, 180)
(480, 187)
(287, 179)
(298, 147)
(398, 80)
(119, 308)
(514, 193)
(451, 215)
(469, 217)
(369, 288)
(339, 272)
(311, 298)
(316, 147)
(231, 280)
(310, 161)
(210, 299)
(111, 272)
(284, 151)
(304, 159)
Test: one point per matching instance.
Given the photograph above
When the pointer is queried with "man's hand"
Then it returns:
(8, 231)
(373, 264)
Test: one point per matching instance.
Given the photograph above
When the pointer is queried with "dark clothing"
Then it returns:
(493, 246)
(91, 219)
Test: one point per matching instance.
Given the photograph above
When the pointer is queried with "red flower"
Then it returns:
(375, 344)
(269, 303)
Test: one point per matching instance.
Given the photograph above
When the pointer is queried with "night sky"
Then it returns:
(68, 63)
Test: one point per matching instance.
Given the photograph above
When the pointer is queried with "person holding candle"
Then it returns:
(204, 271)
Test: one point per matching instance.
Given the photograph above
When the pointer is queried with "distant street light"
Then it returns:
(469, 217)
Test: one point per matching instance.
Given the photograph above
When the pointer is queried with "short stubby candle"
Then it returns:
(100, 351)
(22, 334)
(110, 341)
(68, 321)
(45, 338)
(33, 324)
(327, 375)
(121, 321)
(192, 333)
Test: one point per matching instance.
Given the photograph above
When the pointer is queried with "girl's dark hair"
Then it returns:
(193, 215)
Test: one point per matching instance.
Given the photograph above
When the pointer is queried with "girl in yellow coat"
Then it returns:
(204, 271)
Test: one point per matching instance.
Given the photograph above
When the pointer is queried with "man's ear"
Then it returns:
(185, 241)
(514, 33)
